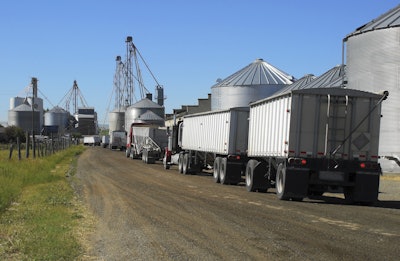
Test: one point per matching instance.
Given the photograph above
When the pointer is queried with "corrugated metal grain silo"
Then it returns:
(256, 81)
(22, 116)
(134, 112)
(116, 120)
(373, 61)
(16, 101)
(56, 117)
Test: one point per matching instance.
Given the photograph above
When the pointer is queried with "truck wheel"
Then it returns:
(223, 178)
(281, 182)
(144, 156)
(180, 163)
(250, 182)
(185, 164)
(349, 195)
(165, 164)
(217, 164)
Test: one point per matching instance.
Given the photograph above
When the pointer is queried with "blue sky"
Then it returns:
(187, 44)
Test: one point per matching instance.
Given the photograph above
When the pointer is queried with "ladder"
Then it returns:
(336, 123)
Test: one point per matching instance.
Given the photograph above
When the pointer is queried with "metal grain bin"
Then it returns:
(133, 113)
(16, 101)
(116, 120)
(373, 62)
(56, 117)
(256, 81)
(22, 116)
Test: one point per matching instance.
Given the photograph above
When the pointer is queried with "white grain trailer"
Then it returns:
(118, 140)
(214, 138)
(146, 142)
(311, 141)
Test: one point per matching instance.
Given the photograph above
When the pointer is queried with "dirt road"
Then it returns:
(144, 212)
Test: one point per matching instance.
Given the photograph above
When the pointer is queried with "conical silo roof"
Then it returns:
(256, 81)
(258, 72)
(57, 109)
(145, 103)
(335, 77)
(299, 84)
(387, 20)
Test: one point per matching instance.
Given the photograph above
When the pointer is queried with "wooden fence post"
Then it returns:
(19, 148)
(11, 150)
(27, 144)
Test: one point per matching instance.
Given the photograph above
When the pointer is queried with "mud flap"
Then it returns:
(260, 178)
(296, 185)
(366, 188)
(233, 172)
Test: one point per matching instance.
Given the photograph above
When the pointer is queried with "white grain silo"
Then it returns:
(24, 116)
(373, 64)
(56, 119)
(138, 113)
(256, 81)
(116, 120)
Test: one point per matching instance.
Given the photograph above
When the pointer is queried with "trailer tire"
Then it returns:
(348, 195)
(216, 173)
(281, 183)
(180, 163)
(223, 175)
(249, 178)
(165, 163)
(185, 164)
(144, 156)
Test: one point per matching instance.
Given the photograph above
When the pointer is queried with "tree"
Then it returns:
(12, 132)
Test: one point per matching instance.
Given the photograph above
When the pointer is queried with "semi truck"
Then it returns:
(91, 140)
(303, 142)
(105, 141)
(117, 140)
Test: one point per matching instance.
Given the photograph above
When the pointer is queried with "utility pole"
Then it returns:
(34, 95)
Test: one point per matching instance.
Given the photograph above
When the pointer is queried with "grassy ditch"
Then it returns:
(38, 210)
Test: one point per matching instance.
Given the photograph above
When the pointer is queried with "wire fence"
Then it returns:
(39, 146)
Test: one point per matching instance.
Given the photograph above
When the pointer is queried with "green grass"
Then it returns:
(38, 210)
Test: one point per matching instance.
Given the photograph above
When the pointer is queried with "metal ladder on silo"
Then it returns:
(336, 123)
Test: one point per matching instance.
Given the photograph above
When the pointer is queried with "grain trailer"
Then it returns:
(310, 141)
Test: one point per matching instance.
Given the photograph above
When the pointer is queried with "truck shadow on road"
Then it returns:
(390, 204)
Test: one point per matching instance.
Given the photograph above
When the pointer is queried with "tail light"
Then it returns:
(297, 161)
(369, 165)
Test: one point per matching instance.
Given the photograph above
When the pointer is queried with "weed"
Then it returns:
(37, 211)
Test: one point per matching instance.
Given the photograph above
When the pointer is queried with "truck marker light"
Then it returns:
(303, 162)
(362, 165)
